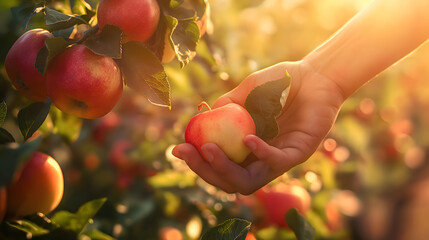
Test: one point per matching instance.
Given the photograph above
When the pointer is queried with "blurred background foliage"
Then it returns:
(369, 179)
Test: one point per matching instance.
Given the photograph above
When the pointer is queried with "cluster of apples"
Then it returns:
(77, 80)
(37, 187)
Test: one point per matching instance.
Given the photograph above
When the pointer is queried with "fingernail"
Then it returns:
(177, 153)
(251, 144)
(207, 154)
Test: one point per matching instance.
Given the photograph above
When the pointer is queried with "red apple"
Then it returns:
(20, 61)
(119, 158)
(138, 19)
(250, 236)
(278, 201)
(105, 127)
(82, 83)
(3, 201)
(39, 187)
(225, 126)
(170, 233)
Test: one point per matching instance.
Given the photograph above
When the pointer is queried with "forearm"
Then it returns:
(380, 35)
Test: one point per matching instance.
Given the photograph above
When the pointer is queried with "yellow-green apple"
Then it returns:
(138, 19)
(82, 83)
(226, 126)
(278, 200)
(20, 64)
(3, 201)
(39, 187)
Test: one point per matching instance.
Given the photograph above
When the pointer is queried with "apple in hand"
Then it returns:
(138, 19)
(39, 187)
(225, 126)
(82, 83)
(20, 61)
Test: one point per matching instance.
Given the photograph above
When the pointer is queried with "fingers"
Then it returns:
(228, 170)
(218, 170)
(196, 163)
(275, 158)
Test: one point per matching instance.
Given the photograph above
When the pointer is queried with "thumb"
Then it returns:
(275, 158)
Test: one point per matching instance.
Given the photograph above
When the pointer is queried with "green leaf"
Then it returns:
(264, 105)
(175, 3)
(184, 36)
(169, 179)
(231, 229)
(5, 136)
(66, 125)
(3, 112)
(32, 117)
(56, 20)
(76, 222)
(107, 43)
(95, 234)
(28, 227)
(301, 227)
(91, 4)
(53, 47)
(13, 156)
(143, 72)
(23, 13)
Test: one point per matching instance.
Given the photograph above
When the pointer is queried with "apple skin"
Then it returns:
(84, 84)
(3, 201)
(277, 202)
(39, 188)
(170, 233)
(20, 61)
(250, 236)
(138, 19)
(226, 126)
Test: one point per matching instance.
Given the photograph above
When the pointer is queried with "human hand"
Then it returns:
(308, 115)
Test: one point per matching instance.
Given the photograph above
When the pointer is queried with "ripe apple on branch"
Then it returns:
(129, 44)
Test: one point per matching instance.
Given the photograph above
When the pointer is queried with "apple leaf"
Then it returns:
(32, 117)
(107, 42)
(76, 222)
(299, 225)
(56, 20)
(231, 229)
(5, 136)
(13, 156)
(175, 3)
(264, 105)
(96, 234)
(184, 36)
(156, 42)
(28, 227)
(53, 47)
(66, 125)
(90, 4)
(143, 72)
(23, 13)
(3, 111)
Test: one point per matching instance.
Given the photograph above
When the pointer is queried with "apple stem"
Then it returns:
(204, 104)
